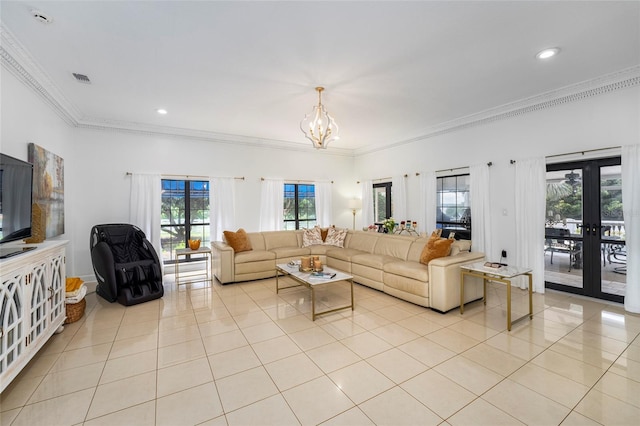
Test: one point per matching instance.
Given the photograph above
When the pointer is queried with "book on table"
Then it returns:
(327, 275)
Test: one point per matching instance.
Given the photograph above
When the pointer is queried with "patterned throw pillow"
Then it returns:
(239, 241)
(335, 237)
(311, 237)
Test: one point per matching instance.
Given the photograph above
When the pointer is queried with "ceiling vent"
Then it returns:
(82, 78)
(41, 16)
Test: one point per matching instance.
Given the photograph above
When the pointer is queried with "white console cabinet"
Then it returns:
(32, 307)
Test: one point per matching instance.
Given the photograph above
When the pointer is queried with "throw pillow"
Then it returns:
(335, 237)
(435, 249)
(239, 241)
(323, 233)
(311, 237)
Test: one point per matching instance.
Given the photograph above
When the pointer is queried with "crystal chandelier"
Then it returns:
(319, 127)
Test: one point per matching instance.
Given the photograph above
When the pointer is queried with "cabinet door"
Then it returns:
(58, 287)
(12, 321)
(39, 284)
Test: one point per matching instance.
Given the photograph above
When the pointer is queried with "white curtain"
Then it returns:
(324, 205)
(399, 198)
(272, 205)
(481, 230)
(530, 203)
(631, 210)
(427, 200)
(222, 210)
(367, 203)
(144, 206)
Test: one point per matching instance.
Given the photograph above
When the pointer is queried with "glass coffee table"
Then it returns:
(503, 274)
(307, 279)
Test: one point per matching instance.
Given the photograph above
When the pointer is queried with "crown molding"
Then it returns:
(17, 60)
(618, 80)
(202, 135)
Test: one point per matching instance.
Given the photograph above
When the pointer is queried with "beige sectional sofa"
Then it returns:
(389, 263)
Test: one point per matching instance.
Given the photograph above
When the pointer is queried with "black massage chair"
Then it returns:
(126, 264)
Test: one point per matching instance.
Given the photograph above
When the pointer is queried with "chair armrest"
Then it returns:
(222, 259)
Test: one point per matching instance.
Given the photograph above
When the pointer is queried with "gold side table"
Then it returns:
(503, 274)
(204, 252)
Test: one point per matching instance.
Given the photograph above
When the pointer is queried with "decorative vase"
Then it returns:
(194, 244)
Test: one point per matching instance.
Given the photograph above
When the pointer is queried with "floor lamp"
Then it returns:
(354, 204)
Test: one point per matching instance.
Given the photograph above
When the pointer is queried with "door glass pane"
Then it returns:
(563, 228)
(614, 253)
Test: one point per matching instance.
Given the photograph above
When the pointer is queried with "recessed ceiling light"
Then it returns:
(548, 53)
(161, 111)
(40, 16)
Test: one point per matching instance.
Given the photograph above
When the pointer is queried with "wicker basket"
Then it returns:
(75, 311)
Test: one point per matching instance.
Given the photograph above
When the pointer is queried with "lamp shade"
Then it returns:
(354, 203)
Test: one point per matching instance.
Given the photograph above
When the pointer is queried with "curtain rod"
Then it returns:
(300, 180)
(582, 152)
(191, 176)
(450, 170)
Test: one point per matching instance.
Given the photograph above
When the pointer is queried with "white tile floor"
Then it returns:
(242, 355)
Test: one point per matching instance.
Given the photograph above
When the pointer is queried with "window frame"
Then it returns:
(463, 221)
(297, 220)
(188, 223)
(388, 201)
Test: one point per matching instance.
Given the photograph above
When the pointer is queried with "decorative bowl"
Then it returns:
(194, 244)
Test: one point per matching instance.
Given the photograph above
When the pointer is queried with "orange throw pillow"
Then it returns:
(435, 249)
(239, 241)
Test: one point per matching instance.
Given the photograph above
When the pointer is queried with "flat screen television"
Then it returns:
(16, 192)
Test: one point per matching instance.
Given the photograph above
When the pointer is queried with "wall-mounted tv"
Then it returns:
(16, 187)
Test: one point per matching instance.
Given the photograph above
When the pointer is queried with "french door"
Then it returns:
(585, 249)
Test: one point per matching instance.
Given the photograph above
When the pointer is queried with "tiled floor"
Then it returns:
(242, 355)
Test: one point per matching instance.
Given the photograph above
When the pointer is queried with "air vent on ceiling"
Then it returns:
(82, 78)
(40, 16)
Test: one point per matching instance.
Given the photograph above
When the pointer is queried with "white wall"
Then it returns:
(97, 189)
(608, 120)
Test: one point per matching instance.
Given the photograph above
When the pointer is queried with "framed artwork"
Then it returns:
(48, 187)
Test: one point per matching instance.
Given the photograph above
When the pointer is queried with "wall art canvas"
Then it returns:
(48, 187)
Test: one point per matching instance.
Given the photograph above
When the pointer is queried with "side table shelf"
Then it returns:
(205, 253)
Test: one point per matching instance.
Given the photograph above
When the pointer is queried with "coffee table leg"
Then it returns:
(277, 282)
(461, 292)
(530, 296)
(508, 304)
(352, 304)
(313, 304)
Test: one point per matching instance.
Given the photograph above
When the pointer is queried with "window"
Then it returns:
(453, 207)
(381, 201)
(299, 206)
(185, 215)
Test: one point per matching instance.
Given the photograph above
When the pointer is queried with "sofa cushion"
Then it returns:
(284, 252)
(393, 245)
(320, 249)
(311, 237)
(364, 241)
(414, 270)
(253, 256)
(344, 253)
(238, 240)
(277, 239)
(373, 260)
(435, 249)
(460, 246)
(335, 237)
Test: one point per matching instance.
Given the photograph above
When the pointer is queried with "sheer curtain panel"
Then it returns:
(427, 201)
(399, 198)
(479, 184)
(272, 205)
(222, 210)
(145, 205)
(631, 211)
(324, 205)
(367, 203)
(530, 198)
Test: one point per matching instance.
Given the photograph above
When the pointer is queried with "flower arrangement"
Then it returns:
(373, 228)
(389, 225)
